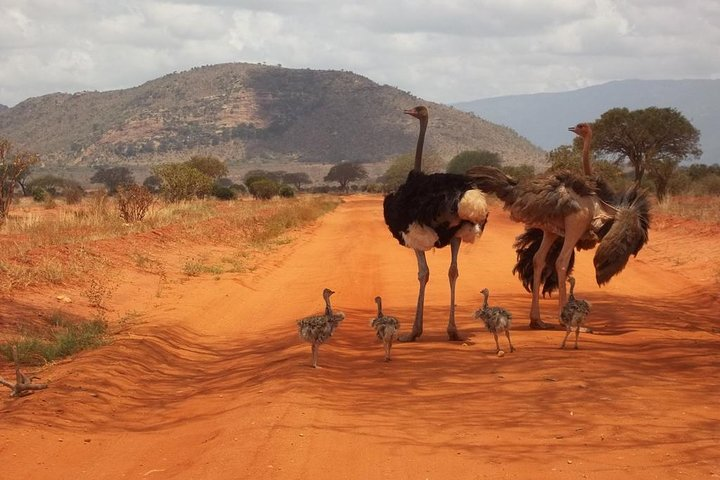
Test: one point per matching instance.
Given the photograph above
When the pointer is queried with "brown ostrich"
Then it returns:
(433, 211)
(564, 211)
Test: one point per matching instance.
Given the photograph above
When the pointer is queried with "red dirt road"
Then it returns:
(215, 383)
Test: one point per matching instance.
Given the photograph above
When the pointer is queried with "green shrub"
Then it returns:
(286, 191)
(180, 181)
(264, 189)
(223, 193)
(39, 194)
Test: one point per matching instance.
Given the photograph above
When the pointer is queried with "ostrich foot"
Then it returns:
(408, 337)
(540, 325)
(454, 336)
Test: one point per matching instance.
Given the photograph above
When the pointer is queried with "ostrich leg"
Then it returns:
(315, 347)
(507, 334)
(423, 276)
(452, 276)
(575, 226)
(538, 266)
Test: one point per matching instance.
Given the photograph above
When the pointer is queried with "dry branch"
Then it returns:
(23, 385)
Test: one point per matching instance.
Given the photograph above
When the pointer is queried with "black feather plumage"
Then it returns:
(427, 199)
(526, 245)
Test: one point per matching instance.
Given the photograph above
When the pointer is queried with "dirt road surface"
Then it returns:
(214, 383)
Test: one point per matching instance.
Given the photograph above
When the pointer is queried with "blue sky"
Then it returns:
(440, 50)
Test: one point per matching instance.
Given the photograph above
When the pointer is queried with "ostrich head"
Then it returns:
(485, 292)
(419, 112)
(326, 293)
(582, 129)
(378, 300)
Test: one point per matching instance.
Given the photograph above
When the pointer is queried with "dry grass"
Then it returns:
(704, 209)
(43, 247)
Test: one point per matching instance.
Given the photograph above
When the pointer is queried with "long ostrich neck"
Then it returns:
(379, 304)
(485, 301)
(572, 288)
(587, 140)
(420, 142)
(328, 308)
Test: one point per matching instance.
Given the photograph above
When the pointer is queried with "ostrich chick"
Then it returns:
(317, 329)
(385, 327)
(573, 314)
(496, 319)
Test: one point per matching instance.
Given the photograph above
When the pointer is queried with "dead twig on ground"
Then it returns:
(23, 385)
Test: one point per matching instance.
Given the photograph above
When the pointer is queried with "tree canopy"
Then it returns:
(652, 139)
(12, 167)
(346, 172)
(463, 161)
(113, 177)
(209, 165)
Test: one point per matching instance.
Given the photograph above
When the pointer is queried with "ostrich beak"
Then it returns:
(411, 111)
(572, 129)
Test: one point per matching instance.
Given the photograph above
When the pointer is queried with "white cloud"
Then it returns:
(441, 50)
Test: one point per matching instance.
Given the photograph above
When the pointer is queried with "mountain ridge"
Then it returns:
(245, 112)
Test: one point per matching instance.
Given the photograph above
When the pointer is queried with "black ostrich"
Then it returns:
(433, 211)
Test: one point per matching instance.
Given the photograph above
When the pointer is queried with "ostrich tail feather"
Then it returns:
(627, 235)
(526, 246)
(493, 180)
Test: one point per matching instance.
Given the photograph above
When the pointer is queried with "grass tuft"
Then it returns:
(67, 339)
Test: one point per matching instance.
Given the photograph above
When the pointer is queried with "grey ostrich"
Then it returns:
(563, 211)
(433, 211)
(496, 319)
(317, 329)
(386, 328)
(573, 313)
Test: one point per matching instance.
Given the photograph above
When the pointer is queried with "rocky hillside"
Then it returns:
(247, 112)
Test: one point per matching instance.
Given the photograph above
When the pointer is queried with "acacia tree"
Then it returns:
(12, 167)
(346, 172)
(113, 177)
(297, 179)
(652, 139)
(211, 166)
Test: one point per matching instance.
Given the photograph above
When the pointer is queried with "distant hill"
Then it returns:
(543, 118)
(247, 113)
(3, 107)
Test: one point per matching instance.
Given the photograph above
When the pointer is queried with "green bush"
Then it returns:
(39, 194)
(223, 193)
(180, 181)
(264, 189)
(286, 191)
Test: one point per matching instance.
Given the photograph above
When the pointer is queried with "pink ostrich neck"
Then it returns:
(587, 140)
(420, 142)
